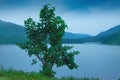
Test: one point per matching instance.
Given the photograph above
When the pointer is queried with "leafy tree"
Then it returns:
(45, 42)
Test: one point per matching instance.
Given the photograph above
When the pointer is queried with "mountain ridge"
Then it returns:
(12, 33)
(105, 34)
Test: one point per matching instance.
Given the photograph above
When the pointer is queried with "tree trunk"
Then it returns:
(47, 70)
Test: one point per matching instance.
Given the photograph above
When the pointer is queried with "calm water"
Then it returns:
(94, 60)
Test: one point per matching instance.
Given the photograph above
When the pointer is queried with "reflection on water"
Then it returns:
(94, 60)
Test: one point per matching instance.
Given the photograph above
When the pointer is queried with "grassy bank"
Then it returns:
(3, 78)
(21, 75)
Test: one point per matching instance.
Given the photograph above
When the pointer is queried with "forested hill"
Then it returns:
(11, 33)
(108, 33)
(113, 39)
(111, 36)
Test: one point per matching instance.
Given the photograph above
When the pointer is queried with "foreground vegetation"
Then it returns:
(11, 74)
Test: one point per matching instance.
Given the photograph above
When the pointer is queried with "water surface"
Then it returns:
(94, 60)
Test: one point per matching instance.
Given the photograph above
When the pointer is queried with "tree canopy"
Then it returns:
(45, 41)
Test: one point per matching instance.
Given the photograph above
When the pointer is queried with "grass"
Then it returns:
(3, 78)
(21, 75)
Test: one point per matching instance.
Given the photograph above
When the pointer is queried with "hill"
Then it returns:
(110, 35)
(11, 33)
(107, 34)
(113, 39)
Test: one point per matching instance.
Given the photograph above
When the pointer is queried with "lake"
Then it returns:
(94, 60)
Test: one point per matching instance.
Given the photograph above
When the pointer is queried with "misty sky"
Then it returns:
(82, 16)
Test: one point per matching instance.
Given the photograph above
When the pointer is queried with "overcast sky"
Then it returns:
(81, 16)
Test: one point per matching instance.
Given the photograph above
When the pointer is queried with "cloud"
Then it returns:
(82, 16)
(88, 4)
(12, 4)
(82, 5)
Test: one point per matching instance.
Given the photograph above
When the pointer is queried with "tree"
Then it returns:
(45, 42)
